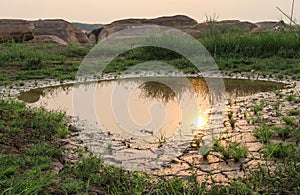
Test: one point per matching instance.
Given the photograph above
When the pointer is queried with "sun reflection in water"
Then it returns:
(199, 121)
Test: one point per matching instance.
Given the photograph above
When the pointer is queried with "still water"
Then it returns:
(133, 118)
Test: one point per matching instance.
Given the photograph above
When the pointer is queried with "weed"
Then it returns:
(230, 115)
(232, 150)
(161, 139)
(258, 107)
(282, 150)
(283, 132)
(294, 113)
(277, 106)
(291, 97)
(263, 132)
(197, 141)
(204, 151)
(289, 120)
(232, 123)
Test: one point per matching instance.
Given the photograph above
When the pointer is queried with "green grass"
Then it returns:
(263, 132)
(29, 138)
(282, 150)
(233, 150)
(294, 113)
(23, 61)
(268, 53)
(29, 147)
(284, 44)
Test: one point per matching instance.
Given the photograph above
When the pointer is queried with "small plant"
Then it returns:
(294, 113)
(238, 151)
(232, 123)
(204, 151)
(289, 120)
(278, 93)
(62, 132)
(161, 139)
(230, 115)
(245, 114)
(276, 106)
(282, 150)
(283, 132)
(291, 96)
(258, 107)
(232, 150)
(263, 133)
(197, 141)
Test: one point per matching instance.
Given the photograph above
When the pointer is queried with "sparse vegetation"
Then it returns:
(233, 150)
(263, 132)
(30, 138)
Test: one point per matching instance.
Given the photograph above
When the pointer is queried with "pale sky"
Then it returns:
(100, 11)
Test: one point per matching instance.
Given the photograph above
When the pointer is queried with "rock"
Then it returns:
(201, 29)
(57, 27)
(73, 128)
(82, 37)
(92, 39)
(178, 21)
(16, 30)
(57, 166)
(93, 36)
(50, 39)
(268, 25)
(172, 21)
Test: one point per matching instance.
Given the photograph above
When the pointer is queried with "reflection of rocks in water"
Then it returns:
(34, 95)
(31, 96)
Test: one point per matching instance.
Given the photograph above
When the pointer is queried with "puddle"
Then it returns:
(141, 124)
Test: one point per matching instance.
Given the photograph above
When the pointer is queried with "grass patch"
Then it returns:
(264, 133)
(282, 150)
(233, 150)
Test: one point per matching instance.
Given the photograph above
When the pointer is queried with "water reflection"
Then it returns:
(157, 90)
(153, 106)
(133, 115)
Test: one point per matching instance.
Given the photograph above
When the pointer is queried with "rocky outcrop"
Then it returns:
(62, 29)
(16, 30)
(81, 37)
(49, 39)
(180, 22)
(201, 29)
(59, 28)
(269, 25)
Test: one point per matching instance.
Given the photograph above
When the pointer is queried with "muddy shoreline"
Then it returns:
(215, 166)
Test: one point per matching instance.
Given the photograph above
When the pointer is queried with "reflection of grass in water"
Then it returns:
(159, 90)
(240, 87)
(156, 90)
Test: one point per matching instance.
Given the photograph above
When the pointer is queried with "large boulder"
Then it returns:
(16, 30)
(202, 29)
(81, 37)
(269, 25)
(56, 27)
(49, 39)
(178, 21)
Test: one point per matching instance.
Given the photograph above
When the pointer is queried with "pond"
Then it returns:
(143, 123)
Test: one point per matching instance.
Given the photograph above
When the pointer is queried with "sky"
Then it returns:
(107, 11)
